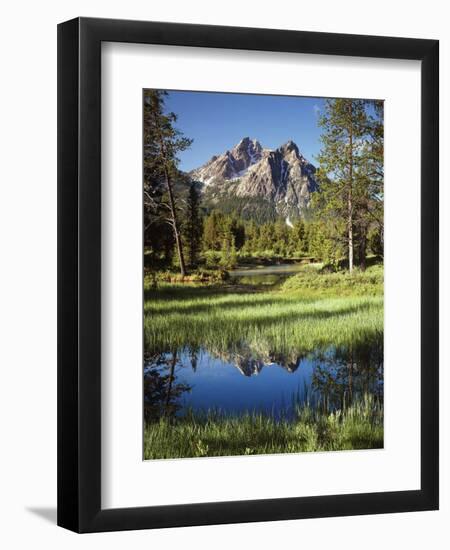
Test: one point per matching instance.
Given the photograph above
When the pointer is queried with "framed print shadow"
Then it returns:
(247, 275)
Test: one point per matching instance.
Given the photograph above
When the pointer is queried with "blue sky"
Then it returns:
(217, 121)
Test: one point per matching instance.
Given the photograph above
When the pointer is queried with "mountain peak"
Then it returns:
(251, 146)
(281, 176)
(246, 141)
(290, 146)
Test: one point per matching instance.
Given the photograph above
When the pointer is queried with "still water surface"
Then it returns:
(234, 384)
(267, 275)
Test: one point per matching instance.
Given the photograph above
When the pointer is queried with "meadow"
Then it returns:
(307, 311)
(302, 314)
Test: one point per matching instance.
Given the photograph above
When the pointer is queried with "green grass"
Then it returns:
(308, 311)
(359, 427)
(358, 283)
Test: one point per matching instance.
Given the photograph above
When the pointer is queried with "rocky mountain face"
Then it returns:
(282, 178)
(251, 363)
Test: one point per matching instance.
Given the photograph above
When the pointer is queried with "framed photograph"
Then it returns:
(247, 276)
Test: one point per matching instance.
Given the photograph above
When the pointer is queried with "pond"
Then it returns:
(266, 275)
(245, 382)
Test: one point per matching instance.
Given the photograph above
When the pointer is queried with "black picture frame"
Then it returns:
(79, 274)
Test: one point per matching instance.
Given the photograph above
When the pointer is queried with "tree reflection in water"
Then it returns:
(161, 392)
(343, 375)
(338, 376)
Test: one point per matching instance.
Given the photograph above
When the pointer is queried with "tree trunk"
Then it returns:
(350, 378)
(171, 378)
(350, 231)
(176, 231)
(363, 248)
(173, 211)
(350, 192)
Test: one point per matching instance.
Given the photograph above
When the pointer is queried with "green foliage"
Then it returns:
(162, 142)
(299, 239)
(192, 228)
(257, 209)
(228, 255)
(350, 178)
(375, 241)
(323, 243)
(198, 276)
(219, 227)
(212, 258)
(361, 283)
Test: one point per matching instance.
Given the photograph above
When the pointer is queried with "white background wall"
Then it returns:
(28, 270)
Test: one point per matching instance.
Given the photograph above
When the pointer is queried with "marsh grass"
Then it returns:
(359, 283)
(360, 426)
(308, 311)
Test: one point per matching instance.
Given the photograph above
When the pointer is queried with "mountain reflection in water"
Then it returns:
(240, 381)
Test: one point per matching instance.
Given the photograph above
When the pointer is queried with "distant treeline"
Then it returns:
(215, 239)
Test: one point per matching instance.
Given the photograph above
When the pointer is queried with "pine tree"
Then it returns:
(162, 142)
(193, 225)
(344, 126)
(225, 253)
(233, 259)
(211, 231)
(297, 237)
(375, 172)
(369, 181)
